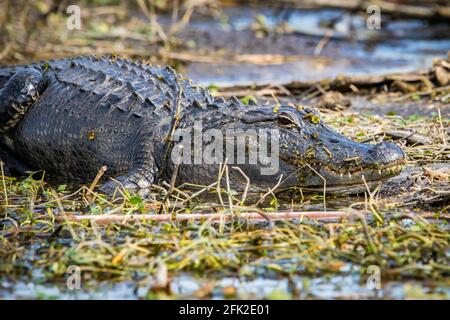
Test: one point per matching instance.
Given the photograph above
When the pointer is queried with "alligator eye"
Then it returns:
(284, 120)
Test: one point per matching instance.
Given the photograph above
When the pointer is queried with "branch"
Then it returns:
(250, 216)
(404, 9)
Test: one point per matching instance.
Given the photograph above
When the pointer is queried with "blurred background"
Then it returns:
(236, 43)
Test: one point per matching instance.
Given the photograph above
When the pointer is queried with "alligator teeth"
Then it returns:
(379, 172)
(349, 175)
(342, 175)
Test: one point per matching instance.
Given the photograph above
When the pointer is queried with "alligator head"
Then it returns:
(309, 154)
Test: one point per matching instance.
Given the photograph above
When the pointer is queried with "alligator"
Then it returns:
(72, 117)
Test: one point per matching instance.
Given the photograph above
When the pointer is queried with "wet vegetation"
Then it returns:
(372, 85)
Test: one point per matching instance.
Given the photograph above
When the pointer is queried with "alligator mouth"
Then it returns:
(378, 171)
(355, 180)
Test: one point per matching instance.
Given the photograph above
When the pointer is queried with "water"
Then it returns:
(353, 49)
(347, 286)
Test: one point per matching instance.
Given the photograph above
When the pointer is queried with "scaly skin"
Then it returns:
(73, 116)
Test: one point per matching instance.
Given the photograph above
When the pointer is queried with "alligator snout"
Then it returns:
(342, 164)
(354, 165)
(315, 155)
(385, 153)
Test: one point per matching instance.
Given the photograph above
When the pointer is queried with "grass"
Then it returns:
(405, 243)
(404, 246)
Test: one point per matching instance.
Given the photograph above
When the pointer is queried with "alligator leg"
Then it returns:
(134, 180)
(4, 170)
(11, 166)
(17, 95)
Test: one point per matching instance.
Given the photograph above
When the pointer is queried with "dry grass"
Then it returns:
(376, 231)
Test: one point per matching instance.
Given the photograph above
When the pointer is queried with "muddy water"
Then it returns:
(317, 45)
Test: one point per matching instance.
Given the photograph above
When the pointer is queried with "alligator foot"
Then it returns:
(132, 181)
(17, 95)
(11, 166)
(4, 170)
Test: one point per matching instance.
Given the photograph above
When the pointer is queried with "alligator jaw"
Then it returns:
(356, 181)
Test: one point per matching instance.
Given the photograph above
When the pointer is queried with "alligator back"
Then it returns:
(97, 111)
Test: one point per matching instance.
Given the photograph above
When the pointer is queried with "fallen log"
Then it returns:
(411, 137)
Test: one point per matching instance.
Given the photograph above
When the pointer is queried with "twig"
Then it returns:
(324, 185)
(99, 175)
(150, 14)
(64, 215)
(369, 239)
(444, 141)
(323, 42)
(173, 179)
(371, 205)
(219, 195)
(227, 181)
(244, 195)
(269, 192)
(4, 183)
(219, 179)
(212, 185)
(250, 216)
